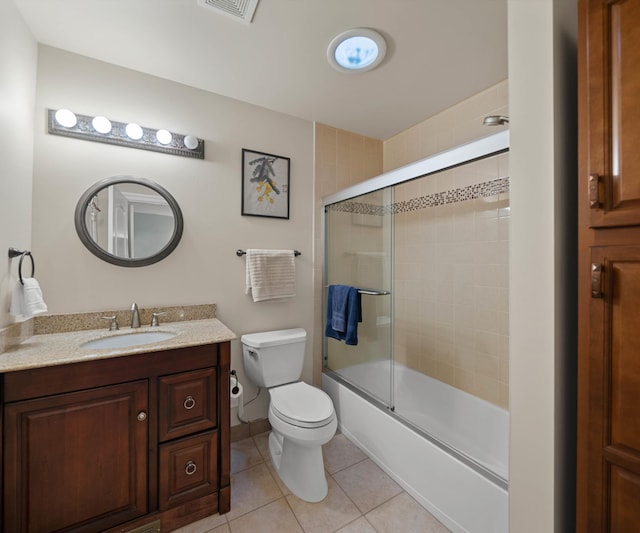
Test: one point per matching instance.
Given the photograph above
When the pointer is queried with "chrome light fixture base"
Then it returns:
(148, 138)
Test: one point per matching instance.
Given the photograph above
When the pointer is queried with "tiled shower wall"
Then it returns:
(452, 279)
(343, 158)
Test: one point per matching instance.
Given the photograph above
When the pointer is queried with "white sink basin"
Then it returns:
(130, 339)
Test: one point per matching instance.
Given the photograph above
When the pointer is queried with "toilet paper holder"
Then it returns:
(235, 388)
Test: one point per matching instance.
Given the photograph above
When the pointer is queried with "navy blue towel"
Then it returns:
(344, 311)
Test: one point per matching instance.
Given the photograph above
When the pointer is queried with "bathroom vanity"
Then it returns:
(117, 440)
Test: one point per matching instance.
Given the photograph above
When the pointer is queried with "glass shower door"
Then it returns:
(360, 233)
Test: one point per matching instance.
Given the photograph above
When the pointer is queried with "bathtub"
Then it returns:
(454, 464)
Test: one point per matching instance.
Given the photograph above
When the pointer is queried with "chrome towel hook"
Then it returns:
(14, 252)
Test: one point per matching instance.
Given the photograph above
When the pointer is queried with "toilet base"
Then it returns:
(299, 464)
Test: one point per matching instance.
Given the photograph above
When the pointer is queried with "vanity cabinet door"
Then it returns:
(76, 461)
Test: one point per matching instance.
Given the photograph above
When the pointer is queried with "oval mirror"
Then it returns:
(129, 221)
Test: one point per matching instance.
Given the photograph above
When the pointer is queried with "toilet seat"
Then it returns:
(302, 405)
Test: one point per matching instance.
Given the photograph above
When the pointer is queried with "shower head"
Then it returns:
(495, 120)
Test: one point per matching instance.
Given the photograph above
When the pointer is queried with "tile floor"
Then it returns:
(361, 499)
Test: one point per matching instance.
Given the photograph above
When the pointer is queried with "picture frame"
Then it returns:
(265, 184)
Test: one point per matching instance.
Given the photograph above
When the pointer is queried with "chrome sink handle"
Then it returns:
(114, 322)
(154, 318)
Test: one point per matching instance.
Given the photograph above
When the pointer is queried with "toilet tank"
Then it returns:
(273, 358)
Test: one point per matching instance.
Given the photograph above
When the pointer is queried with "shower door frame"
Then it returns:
(481, 148)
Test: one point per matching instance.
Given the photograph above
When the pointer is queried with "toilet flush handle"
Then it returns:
(252, 353)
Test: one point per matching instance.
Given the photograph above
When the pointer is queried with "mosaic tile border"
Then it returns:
(459, 194)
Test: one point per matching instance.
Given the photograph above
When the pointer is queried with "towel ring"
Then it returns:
(13, 252)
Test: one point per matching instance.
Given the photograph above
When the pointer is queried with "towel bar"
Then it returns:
(240, 253)
(14, 252)
(372, 292)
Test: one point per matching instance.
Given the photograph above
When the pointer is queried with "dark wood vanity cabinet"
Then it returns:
(115, 444)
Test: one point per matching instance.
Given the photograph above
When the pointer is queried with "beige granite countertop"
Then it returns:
(66, 347)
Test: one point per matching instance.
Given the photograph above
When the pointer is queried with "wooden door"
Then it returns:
(608, 448)
(77, 461)
(611, 474)
(612, 33)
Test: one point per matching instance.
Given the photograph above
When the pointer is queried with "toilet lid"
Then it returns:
(301, 404)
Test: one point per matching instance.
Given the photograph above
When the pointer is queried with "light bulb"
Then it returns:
(191, 142)
(66, 118)
(133, 131)
(163, 136)
(101, 124)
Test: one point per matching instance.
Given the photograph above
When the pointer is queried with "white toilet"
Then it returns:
(302, 417)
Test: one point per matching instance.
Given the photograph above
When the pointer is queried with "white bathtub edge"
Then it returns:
(438, 482)
(447, 521)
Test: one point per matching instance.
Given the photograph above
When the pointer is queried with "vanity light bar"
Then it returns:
(100, 129)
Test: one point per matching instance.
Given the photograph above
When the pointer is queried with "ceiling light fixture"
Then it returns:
(357, 50)
(101, 129)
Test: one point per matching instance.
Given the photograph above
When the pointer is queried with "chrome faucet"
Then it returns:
(135, 316)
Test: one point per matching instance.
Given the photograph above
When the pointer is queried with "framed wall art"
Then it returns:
(265, 184)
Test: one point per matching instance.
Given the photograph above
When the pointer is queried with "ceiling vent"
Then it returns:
(241, 10)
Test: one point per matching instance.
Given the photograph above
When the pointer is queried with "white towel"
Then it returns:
(271, 274)
(27, 299)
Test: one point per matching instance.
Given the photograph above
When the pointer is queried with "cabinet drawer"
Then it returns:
(188, 469)
(187, 403)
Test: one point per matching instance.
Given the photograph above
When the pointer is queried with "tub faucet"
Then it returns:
(135, 316)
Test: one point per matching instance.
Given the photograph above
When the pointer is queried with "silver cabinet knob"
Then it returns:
(189, 403)
(190, 468)
(142, 416)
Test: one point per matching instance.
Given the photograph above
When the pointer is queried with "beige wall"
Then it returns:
(18, 57)
(204, 267)
(457, 125)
